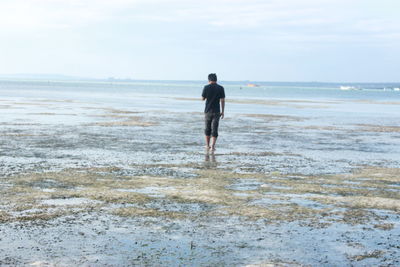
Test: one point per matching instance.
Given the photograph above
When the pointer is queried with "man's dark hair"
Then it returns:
(212, 77)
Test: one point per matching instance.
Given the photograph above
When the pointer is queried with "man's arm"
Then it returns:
(222, 107)
(203, 95)
(222, 98)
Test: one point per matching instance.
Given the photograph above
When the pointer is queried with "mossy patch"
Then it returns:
(361, 202)
(111, 196)
(4, 216)
(349, 198)
(129, 121)
(140, 212)
(372, 254)
(384, 226)
(120, 111)
(271, 117)
(379, 128)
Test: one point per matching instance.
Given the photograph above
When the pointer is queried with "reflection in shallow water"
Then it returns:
(209, 161)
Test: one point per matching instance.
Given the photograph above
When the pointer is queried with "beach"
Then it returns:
(115, 174)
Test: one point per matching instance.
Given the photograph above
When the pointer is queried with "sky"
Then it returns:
(257, 40)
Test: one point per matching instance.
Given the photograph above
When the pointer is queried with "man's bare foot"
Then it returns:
(212, 149)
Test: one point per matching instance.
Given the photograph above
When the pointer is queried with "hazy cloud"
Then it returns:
(144, 36)
(42, 14)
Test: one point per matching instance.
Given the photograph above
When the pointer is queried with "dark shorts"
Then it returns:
(211, 122)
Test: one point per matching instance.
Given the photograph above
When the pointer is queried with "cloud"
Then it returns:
(280, 19)
(78, 36)
(49, 14)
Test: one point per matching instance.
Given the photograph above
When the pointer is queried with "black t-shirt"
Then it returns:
(213, 93)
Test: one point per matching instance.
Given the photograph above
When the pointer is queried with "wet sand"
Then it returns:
(89, 184)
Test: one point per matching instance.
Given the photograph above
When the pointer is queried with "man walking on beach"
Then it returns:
(213, 93)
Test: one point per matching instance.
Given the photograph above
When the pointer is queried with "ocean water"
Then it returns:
(94, 89)
(161, 94)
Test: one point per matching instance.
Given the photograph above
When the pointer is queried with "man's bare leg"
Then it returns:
(208, 142)
(213, 142)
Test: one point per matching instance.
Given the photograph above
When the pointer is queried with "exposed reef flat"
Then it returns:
(319, 205)
(292, 183)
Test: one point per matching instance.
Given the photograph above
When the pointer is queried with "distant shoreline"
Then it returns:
(57, 77)
(243, 84)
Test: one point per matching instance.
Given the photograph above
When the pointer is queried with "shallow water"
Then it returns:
(53, 125)
(291, 134)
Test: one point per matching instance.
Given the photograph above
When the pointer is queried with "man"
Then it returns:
(214, 94)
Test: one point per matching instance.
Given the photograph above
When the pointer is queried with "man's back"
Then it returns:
(213, 93)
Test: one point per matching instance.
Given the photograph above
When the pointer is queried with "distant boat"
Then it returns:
(252, 85)
(348, 88)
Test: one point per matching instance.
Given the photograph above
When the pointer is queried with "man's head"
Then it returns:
(212, 78)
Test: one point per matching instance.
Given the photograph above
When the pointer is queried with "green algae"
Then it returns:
(134, 211)
(219, 188)
(372, 254)
(384, 226)
(4, 216)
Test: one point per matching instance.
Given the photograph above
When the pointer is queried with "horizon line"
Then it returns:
(63, 77)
